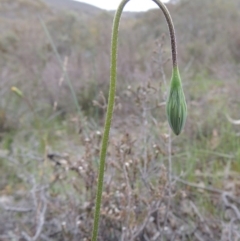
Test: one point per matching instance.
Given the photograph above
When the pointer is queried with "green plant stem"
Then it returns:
(111, 97)
(171, 31)
(75, 100)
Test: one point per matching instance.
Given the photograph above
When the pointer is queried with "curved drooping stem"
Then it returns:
(171, 30)
(111, 97)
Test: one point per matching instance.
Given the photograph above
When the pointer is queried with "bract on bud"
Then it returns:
(176, 105)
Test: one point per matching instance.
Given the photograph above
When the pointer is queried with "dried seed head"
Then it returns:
(176, 105)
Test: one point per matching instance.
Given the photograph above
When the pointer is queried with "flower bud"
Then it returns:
(176, 107)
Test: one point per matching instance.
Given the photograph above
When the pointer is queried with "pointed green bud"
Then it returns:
(176, 107)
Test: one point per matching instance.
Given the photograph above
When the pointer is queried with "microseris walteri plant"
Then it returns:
(176, 105)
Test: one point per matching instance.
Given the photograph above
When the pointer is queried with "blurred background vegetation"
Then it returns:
(57, 52)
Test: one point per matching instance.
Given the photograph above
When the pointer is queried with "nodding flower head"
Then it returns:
(176, 105)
